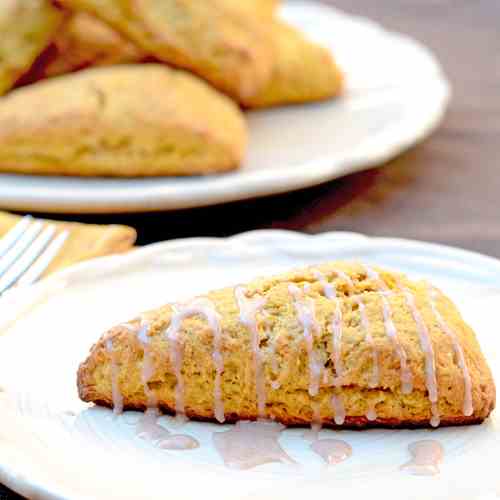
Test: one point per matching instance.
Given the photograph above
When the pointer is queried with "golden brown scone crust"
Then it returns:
(303, 71)
(264, 8)
(127, 120)
(86, 41)
(226, 48)
(85, 241)
(285, 357)
(26, 28)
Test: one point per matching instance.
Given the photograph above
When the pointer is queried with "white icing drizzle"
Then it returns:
(312, 434)
(371, 414)
(248, 317)
(332, 451)
(176, 358)
(427, 455)
(468, 409)
(406, 375)
(338, 409)
(375, 376)
(115, 372)
(331, 293)
(316, 418)
(328, 288)
(149, 429)
(306, 316)
(365, 324)
(249, 444)
(178, 442)
(375, 276)
(147, 363)
(428, 350)
(203, 307)
(435, 418)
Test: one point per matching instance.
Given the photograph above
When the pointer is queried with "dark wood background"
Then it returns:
(445, 190)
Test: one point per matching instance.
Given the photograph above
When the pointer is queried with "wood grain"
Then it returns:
(445, 190)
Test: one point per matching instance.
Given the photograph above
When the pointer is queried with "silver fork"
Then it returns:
(27, 250)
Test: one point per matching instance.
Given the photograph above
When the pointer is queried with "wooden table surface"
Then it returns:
(445, 190)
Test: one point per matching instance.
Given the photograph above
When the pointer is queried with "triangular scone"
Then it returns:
(340, 344)
(26, 28)
(303, 71)
(127, 120)
(225, 47)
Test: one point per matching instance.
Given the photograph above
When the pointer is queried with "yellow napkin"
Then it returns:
(85, 241)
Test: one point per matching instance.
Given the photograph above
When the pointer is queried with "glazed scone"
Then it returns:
(340, 344)
(84, 241)
(127, 120)
(26, 27)
(303, 71)
(86, 41)
(225, 47)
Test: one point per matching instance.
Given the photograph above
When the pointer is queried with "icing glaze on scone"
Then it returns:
(248, 317)
(306, 316)
(198, 307)
(467, 407)
(338, 344)
(406, 375)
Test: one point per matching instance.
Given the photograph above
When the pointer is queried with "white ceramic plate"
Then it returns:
(396, 95)
(53, 446)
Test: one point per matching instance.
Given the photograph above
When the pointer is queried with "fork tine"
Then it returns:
(27, 258)
(48, 255)
(20, 247)
(14, 234)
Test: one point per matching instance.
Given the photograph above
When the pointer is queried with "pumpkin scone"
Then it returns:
(341, 344)
(26, 28)
(303, 71)
(127, 120)
(220, 44)
(84, 241)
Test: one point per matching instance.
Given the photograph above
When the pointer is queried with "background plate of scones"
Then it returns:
(123, 106)
(284, 366)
